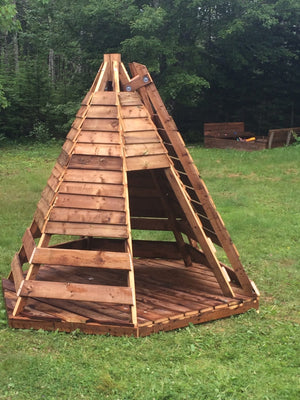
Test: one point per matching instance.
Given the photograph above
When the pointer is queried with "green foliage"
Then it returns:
(247, 357)
(213, 61)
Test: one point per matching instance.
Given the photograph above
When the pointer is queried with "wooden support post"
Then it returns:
(198, 184)
(130, 277)
(31, 274)
(172, 222)
(198, 231)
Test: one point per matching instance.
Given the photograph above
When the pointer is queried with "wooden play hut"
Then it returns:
(124, 169)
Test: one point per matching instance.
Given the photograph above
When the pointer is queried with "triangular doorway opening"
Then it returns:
(94, 261)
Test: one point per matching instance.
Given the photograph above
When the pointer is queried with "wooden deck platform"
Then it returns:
(169, 296)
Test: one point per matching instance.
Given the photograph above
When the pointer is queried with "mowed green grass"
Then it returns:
(251, 356)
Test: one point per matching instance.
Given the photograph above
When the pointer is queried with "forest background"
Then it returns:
(213, 61)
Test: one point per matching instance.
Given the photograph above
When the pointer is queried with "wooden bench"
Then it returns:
(282, 137)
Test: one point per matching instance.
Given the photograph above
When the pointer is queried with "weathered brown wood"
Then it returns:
(102, 112)
(107, 124)
(82, 229)
(221, 143)
(90, 202)
(98, 150)
(104, 98)
(96, 162)
(141, 137)
(17, 272)
(28, 243)
(154, 224)
(98, 137)
(134, 150)
(130, 99)
(134, 112)
(93, 176)
(138, 124)
(77, 291)
(82, 258)
(87, 216)
(225, 129)
(147, 162)
(95, 189)
(155, 249)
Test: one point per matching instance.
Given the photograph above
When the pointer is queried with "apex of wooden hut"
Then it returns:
(124, 169)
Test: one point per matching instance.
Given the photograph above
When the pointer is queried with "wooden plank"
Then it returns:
(145, 149)
(68, 145)
(53, 182)
(82, 258)
(224, 129)
(147, 162)
(29, 244)
(90, 202)
(156, 224)
(130, 99)
(81, 229)
(211, 142)
(96, 162)
(81, 112)
(108, 111)
(134, 112)
(155, 249)
(98, 137)
(93, 176)
(138, 124)
(103, 98)
(48, 194)
(39, 218)
(96, 189)
(87, 216)
(141, 137)
(103, 124)
(77, 123)
(98, 149)
(17, 272)
(86, 99)
(72, 133)
(58, 170)
(63, 159)
(77, 291)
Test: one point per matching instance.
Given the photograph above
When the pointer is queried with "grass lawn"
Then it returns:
(251, 356)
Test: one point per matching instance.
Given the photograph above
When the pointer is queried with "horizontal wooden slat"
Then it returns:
(48, 194)
(103, 124)
(28, 243)
(147, 162)
(68, 145)
(96, 162)
(134, 112)
(77, 291)
(108, 111)
(97, 189)
(141, 137)
(138, 124)
(104, 98)
(72, 133)
(86, 99)
(63, 159)
(98, 137)
(77, 123)
(53, 182)
(98, 149)
(155, 249)
(93, 176)
(81, 112)
(130, 99)
(81, 229)
(39, 218)
(156, 224)
(82, 258)
(17, 272)
(87, 216)
(133, 150)
(90, 202)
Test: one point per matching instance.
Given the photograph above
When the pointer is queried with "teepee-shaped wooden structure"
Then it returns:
(124, 168)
